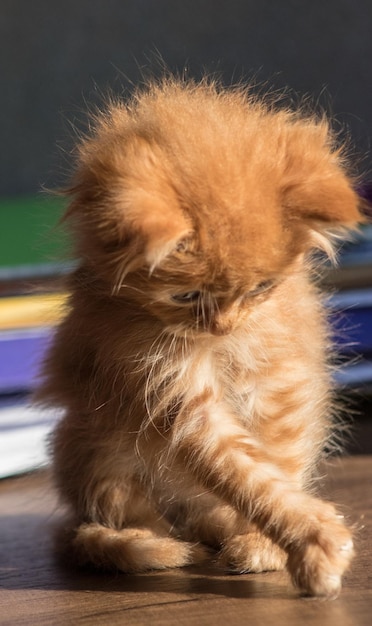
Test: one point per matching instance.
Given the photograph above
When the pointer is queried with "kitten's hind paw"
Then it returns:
(133, 549)
(251, 552)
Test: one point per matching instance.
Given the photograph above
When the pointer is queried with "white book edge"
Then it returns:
(24, 433)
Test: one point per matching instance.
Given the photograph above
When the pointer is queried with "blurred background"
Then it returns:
(56, 56)
(59, 57)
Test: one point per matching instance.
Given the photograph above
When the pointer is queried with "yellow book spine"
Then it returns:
(33, 310)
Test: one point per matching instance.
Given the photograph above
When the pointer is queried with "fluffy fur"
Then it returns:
(192, 362)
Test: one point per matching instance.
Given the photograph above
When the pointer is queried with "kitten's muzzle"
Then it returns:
(219, 328)
(217, 325)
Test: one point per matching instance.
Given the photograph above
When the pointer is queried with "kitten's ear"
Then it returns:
(324, 200)
(160, 225)
(316, 188)
(123, 204)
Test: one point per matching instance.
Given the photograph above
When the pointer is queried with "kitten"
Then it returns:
(192, 362)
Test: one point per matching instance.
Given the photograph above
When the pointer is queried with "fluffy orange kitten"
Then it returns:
(192, 363)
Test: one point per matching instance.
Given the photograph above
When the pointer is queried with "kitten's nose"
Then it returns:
(218, 322)
(220, 325)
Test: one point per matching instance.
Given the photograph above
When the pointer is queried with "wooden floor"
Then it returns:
(37, 590)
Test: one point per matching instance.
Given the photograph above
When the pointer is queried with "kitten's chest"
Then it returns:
(231, 374)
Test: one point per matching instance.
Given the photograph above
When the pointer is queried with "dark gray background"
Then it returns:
(57, 54)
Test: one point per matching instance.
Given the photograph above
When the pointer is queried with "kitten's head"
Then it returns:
(194, 202)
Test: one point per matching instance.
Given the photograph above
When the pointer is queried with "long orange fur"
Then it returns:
(192, 364)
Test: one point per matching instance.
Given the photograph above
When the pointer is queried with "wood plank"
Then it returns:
(36, 589)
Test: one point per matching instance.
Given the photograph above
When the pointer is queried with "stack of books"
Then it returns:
(350, 303)
(30, 306)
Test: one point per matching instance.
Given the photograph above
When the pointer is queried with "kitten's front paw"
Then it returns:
(317, 566)
(251, 552)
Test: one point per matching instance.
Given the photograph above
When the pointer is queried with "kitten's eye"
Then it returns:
(186, 298)
(265, 285)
